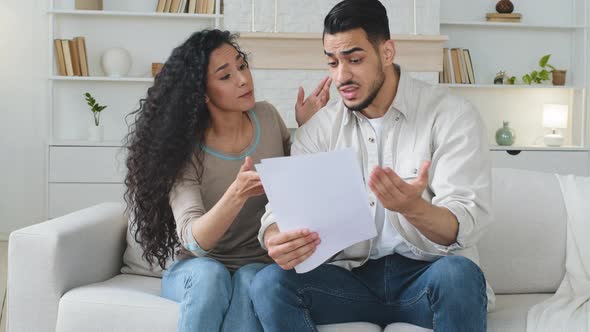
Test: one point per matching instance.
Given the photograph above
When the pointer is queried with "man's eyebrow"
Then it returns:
(345, 52)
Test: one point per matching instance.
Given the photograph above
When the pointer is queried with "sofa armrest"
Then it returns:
(48, 259)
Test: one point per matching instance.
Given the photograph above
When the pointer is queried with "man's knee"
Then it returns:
(458, 273)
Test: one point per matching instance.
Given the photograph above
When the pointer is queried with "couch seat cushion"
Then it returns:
(133, 303)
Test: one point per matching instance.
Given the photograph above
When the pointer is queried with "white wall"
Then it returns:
(22, 122)
(279, 87)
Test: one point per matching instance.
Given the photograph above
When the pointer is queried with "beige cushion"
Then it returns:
(523, 250)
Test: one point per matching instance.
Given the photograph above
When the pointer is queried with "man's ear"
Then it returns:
(388, 53)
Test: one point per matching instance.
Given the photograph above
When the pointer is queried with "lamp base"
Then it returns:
(553, 140)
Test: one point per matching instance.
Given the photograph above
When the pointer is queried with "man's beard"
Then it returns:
(374, 91)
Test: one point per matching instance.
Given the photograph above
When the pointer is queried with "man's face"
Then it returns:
(355, 67)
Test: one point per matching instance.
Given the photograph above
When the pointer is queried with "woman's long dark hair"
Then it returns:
(165, 137)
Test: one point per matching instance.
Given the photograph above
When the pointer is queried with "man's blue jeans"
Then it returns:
(446, 295)
(210, 298)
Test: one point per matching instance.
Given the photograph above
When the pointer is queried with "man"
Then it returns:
(425, 160)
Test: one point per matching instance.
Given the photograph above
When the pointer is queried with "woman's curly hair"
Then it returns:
(166, 136)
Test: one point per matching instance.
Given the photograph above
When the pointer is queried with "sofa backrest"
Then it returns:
(523, 250)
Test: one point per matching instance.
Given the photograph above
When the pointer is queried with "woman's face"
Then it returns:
(229, 81)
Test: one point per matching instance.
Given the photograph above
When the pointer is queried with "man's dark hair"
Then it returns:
(369, 15)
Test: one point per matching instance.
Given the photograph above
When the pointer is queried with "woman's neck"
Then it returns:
(229, 131)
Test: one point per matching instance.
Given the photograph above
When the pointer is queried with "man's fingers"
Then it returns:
(422, 178)
(247, 165)
(320, 86)
(300, 96)
(288, 247)
(294, 262)
(283, 237)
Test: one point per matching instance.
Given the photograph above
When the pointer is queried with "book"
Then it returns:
(463, 68)
(446, 67)
(167, 6)
(469, 65)
(210, 6)
(59, 57)
(160, 6)
(67, 57)
(192, 7)
(174, 6)
(75, 57)
(456, 65)
(182, 9)
(200, 6)
(497, 17)
(81, 45)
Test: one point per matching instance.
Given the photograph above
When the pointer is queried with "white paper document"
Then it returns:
(323, 192)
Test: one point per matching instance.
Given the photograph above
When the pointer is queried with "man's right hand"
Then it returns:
(290, 248)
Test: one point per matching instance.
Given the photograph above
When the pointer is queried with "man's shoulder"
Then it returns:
(327, 117)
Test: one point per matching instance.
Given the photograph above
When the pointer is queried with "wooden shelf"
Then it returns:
(283, 50)
(512, 25)
(102, 79)
(510, 86)
(72, 12)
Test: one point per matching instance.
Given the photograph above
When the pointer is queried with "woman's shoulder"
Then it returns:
(266, 112)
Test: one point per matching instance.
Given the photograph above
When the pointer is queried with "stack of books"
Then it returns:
(71, 57)
(457, 67)
(186, 6)
(509, 18)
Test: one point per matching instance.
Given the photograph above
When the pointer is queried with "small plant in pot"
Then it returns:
(539, 76)
(95, 133)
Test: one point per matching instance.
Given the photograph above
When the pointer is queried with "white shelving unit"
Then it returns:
(559, 28)
(547, 27)
(96, 169)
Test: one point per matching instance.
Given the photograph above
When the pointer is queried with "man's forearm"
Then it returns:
(438, 224)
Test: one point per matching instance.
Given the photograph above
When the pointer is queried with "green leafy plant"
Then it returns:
(538, 76)
(95, 107)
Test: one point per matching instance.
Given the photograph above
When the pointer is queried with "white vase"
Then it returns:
(95, 133)
(116, 62)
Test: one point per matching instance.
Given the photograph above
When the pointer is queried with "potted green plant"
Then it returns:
(539, 76)
(95, 132)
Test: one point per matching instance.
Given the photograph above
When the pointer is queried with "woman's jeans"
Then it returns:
(210, 298)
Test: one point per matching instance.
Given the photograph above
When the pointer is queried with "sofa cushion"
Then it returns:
(123, 303)
(523, 250)
(133, 303)
(511, 311)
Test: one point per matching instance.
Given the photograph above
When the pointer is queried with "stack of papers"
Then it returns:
(323, 192)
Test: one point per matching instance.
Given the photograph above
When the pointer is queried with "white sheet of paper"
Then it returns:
(323, 192)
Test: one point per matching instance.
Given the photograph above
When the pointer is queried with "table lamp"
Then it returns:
(555, 118)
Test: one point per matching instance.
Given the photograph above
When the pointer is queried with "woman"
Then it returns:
(191, 183)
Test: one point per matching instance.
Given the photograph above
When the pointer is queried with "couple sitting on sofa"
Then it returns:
(191, 185)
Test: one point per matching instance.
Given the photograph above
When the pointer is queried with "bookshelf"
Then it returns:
(82, 172)
(547, 27)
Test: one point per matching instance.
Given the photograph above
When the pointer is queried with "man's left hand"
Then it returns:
(394, 193)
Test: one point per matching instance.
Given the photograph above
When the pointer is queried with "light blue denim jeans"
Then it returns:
(210, 298)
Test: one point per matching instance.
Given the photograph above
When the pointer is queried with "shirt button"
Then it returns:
(372, 204)
(372, 140)
(397, 118)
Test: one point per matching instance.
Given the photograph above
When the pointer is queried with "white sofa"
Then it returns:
(64, 274)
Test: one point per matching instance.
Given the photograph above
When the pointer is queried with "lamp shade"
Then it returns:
(555, 116)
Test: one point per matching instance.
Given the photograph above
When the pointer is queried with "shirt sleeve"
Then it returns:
(461, 174)
(187, 207)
